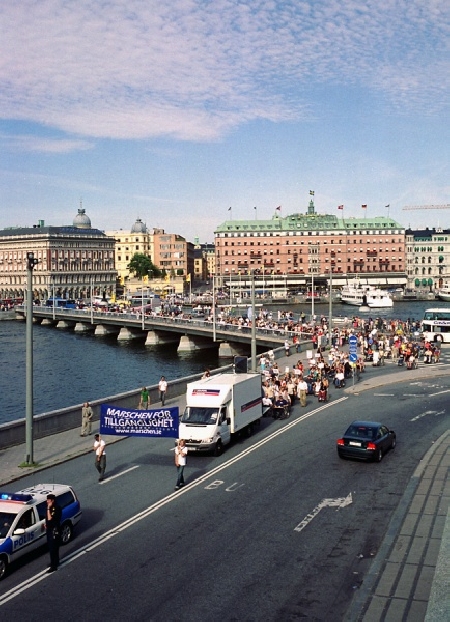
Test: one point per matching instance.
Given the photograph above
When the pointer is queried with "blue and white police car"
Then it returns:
(22, 519)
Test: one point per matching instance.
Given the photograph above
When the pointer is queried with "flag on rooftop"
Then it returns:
(278, 208)
(340, 207)
(311, 192)
(364, 206)
(229, 209)
(388, 205)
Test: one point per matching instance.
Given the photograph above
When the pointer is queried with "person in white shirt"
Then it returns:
(180, 462)
(100, 456)
(162, 386)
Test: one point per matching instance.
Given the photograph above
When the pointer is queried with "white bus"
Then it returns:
(436, 325)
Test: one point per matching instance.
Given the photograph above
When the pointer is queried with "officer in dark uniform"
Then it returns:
(53, 528)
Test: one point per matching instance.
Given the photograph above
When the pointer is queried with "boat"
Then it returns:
(444, 293)
(354, 293)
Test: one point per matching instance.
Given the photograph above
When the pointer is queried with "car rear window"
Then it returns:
(361, 431)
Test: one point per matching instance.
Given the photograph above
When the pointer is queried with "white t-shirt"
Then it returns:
(162, 385)
(181, 453)
(98, 446)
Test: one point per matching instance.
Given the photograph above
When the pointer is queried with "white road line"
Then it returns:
(108, 479)
(384, 394)
(18, 589)
(340, 502)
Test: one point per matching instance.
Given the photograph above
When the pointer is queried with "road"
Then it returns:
(250, 537)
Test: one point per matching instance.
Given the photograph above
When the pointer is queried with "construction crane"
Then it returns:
(414, 207)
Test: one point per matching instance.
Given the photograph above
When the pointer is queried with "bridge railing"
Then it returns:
(279, 333)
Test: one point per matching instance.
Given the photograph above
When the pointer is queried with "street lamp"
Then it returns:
(31, 263)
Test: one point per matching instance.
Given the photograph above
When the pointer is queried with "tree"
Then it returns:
(141, 265)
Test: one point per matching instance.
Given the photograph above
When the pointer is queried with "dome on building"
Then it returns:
(139, 227)
(82, 220)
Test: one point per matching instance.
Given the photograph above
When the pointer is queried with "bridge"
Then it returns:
(191, 334)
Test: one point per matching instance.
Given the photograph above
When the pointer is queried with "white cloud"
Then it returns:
(195, 69)
(35, 144)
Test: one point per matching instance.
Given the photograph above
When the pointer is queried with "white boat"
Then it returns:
(354, 293)
(444, 293)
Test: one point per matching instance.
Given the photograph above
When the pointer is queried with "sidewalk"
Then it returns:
(409, 579)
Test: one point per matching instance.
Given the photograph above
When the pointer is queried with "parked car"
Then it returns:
(22, 519)
(366, 440)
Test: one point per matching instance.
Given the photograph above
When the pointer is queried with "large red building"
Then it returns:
(301, 245)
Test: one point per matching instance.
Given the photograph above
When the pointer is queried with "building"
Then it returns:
(168, 251)
(172, 253)
(72, 260)
(427, 258)
(204, 261)
(127, 244)
(300, 245)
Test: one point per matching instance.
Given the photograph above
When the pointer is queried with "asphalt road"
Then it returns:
(256, 534)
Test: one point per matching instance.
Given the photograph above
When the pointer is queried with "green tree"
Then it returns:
(141, 265)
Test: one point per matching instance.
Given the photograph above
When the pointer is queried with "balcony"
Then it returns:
(372, 253)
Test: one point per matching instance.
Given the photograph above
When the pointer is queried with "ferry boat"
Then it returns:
(444, 293)
(354, 293)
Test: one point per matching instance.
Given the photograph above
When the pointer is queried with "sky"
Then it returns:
(174, 112)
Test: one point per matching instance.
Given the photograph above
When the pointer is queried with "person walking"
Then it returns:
(180, 462)
(53, 526)
(100, 456)
(302, 389)
(86, 419)
(162, 386)
(145, 399)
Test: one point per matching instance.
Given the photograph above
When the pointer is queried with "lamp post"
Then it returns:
(214, 306)
(31, 262)
(253, 328)
(330, 307)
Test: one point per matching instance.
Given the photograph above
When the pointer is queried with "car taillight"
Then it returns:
(371, 446)
(340, 441)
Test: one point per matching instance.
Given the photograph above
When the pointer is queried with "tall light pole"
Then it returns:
(330, 307)
(214, 306)
(253, 328)
(31, 262)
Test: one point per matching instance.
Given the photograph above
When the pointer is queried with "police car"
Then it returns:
(22, 519)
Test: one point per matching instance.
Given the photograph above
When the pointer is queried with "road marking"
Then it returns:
(384, 394)
(414, 395)
(428, 412)
(108, 479)
(340, 502)
(19, 589)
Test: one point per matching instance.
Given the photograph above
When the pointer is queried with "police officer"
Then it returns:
(53, 526)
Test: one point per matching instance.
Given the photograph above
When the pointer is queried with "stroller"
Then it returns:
(401, 360)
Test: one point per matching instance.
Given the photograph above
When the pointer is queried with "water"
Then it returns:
(70, 368)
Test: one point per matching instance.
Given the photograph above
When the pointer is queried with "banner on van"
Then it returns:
(161, 422)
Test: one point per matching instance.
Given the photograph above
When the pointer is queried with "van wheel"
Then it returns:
(3, 566)
(219, 448)
(66, 533)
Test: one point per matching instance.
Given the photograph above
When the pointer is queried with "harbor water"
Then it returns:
(70, 368)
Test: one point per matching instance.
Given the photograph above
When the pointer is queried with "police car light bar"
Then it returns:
(14, 496)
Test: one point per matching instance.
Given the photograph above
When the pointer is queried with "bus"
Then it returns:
(436, 325)
(64, 303)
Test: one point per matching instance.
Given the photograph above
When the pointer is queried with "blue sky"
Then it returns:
(173, 112)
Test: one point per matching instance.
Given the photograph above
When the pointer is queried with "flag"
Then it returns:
(340, 207)
(364, 206)
(311, 192)
(388, 205)
(229, 209)
(254, 207)
(278, 208)
(188, 278)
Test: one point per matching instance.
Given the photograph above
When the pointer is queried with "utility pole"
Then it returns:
(31, 262)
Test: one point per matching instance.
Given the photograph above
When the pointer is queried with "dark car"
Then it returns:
(366, 440)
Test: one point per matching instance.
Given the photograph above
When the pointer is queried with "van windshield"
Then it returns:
(200, 415)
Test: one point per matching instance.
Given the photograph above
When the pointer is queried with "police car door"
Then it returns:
(27, 533)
